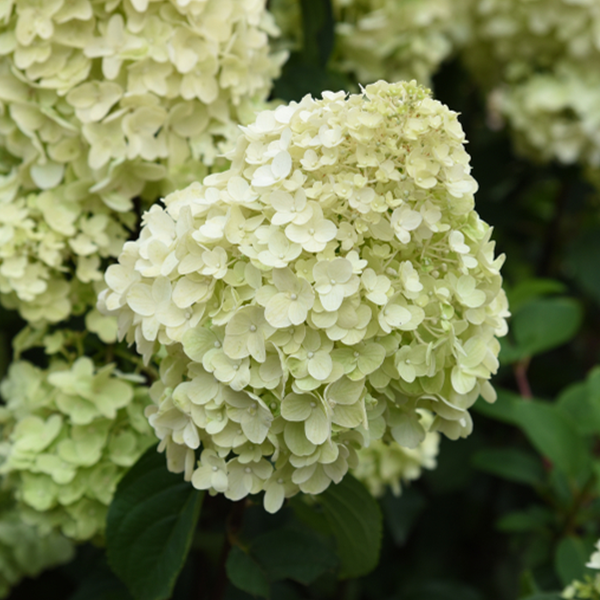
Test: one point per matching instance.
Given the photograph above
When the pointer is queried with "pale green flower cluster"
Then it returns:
(102, 102)
(396, 39)
(590, 588)
(315, 295)
(555, 115)
(26, 553)
(386, 464)
(385, 39)
(69, 434)
(539, 61)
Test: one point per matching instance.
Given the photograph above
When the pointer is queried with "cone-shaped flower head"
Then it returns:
(332, 282)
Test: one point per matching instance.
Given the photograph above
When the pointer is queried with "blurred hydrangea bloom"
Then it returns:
(385, 463)
(396, 39)
(539, 62)
(24, 552)
(69, 433)
(590, 588)
(555, 116)
(385, 39)
(315, 295)
(102, 102)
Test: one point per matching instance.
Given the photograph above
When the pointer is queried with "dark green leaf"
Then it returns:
(530, 289)
(547, 323)
(577, 402)
(509, 353)
(569, 559)
(286, 590)
(440, 590)
(309, 514)
(583, 262)
(150, 526)
(545, 596)
(504, 409)
(356, 522)
(294, 554)
(527, 584)
(245, 573)
(510, 463)
(402, 512)
(535, 518)
(555, 436)
(561, 487)
(101, 583)
(593, 385)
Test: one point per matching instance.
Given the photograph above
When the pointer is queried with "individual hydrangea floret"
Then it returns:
(25, 552)
(69, 433)
(102, 103)
(315, 296)
(386, 464)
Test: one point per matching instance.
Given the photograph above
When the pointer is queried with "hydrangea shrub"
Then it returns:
(68, 434)
(102, 103)
(315, 296)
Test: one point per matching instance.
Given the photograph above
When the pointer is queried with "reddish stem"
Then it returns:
(520, 370)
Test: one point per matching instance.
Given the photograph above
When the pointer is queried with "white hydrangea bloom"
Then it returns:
(68, 434)
(555, 115)
(281, 371)
(385, 39)
(103, 103)
(396, 39)
(538, 60)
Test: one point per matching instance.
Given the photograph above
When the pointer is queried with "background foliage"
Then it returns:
(513, 511)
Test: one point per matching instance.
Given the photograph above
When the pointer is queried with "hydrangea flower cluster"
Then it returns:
(385, 464)
(314, 296)
(386, 39)
(102, 102)
(69, 433)
(539, 61)
(26, 553)
(555, 116)
(394, 40)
